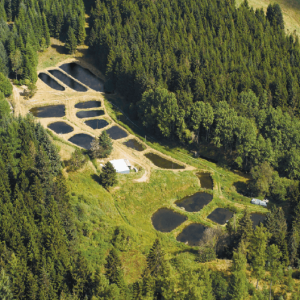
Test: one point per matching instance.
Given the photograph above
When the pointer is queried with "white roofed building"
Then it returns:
(120, 166)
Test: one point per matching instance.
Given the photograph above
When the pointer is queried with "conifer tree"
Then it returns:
(108, 176)
(71, 42)
(105, 144)
(5, 85)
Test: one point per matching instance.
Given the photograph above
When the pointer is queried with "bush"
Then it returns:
(77, 161)
(102, 147)
(5, 85)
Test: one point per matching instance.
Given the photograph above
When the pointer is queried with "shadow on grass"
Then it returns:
(95, 178)
(194, 251)
(242, 188)
(59, 49)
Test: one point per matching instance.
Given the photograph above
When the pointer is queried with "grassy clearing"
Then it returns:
(290, 10)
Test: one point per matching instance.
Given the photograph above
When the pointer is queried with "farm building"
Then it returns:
(121, 165)
(259, 202)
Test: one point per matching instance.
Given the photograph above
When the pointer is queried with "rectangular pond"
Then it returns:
(49, 111)
(88, 104)
(51, 82)
(134, 144)
(84, 75)
(220, 215)
(165, 220)
(83, 140)
(61, 127)
(162, 162)
(89, 113)
(115, 133)
(195, 202)
(71, 83)
(205, 180)
(192, 234)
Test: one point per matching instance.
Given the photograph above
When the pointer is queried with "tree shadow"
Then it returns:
(242, 188)
(59, 49)
(95, 177)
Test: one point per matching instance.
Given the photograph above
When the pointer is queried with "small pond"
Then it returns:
(89, 113)
(84, 75)
(220, 215)
(256, 219)
(162, 162)
(71, 83)
(192, 234)
(49, 111)
(195, 202)
(83, 140)
(115, 133)
(88, 104)
(96, 123)
(61, 127)
(51, 82)
(205, 180)
(165, 220)
(134, 144)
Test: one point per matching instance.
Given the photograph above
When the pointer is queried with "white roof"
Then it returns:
(119, 165)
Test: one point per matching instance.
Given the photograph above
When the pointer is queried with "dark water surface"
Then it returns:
(115, 133)
(71, 83)
(61, 127)
(89, 113)
(165, 220)
(195, 202)
(96, 123)
(134, 144)
(256, 219)
(84, 75)
(88, 104)
(83, 140)
(191, 234)
(162, 162)
(49, 111)
(205, 180)
(51, 82)
(220, 215)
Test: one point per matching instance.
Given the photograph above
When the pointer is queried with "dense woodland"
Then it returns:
(193, 71)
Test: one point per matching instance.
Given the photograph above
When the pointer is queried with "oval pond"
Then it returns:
(134, 144)
(192, 234)
(195, 202)
(61, 127)
(220, 215)
(96, 123)
(83, 140)
(115, 133)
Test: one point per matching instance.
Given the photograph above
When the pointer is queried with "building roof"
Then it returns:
(258, 202)
(119, 165)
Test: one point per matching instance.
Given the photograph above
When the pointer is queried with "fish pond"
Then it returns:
(61, 127)
(49, 111)
(89, 113)
(165, 220)
(162, 162)
(88, 104)
(71, 83)
(84, 75)
(83, 140)
(205, 180)
(192, 234)
(51, 82)
(115, 133)
(195, 202)
(134, 144)
(96, 123)
(256, 219)
(220, 215)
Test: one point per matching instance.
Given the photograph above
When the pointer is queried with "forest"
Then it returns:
(192, 72)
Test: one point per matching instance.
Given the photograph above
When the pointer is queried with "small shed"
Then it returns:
(259, 202)
(120, 166)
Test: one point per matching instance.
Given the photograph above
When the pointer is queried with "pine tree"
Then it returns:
(5, 85)
(46, 32)
(108, 176)
(105, 144)
(71, 42)
(156, 259)
(245, 227)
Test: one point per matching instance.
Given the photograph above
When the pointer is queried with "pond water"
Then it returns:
(49, 111)
(205, 180)
(256, 219)
(96, 123)
(220, 215)
(61, 127)
(134, 144)
(71, 83)
(115, 133)
(89, 113)
(84, 75)
(192, 234)
(88, 104)
(51, 82)
(162, 162)
(83, 140)
(195, 202)
(165, 220)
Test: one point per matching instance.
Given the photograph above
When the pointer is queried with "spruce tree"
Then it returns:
(108, 176)
(5, 85)
(71, 42)
(105, 144)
